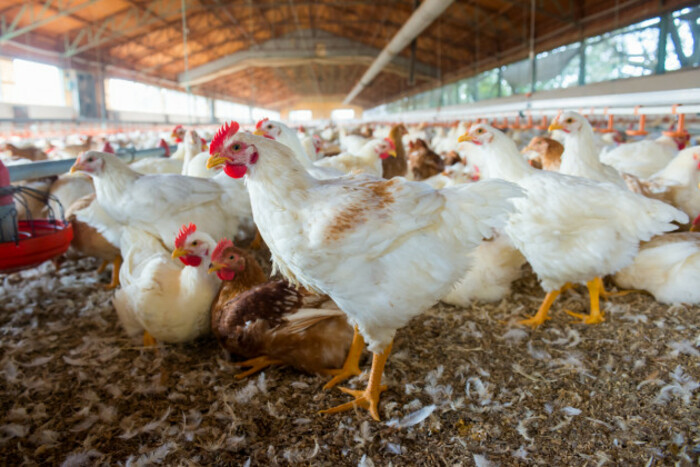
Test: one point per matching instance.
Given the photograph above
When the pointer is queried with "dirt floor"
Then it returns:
(466, 387)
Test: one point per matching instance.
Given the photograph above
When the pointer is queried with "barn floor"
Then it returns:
(465, 387)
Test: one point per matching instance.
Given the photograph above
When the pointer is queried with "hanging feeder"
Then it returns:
(641, 131)
(680, 128)
(28, 242)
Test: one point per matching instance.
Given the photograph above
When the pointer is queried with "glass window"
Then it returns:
(487, 85)
(131, 96)
(343, 114)
(301, 115)
(683, 40)
(558, 68)
(259, 114)
(226, 110)
(25, 82)
(625, 53)
(517, 76)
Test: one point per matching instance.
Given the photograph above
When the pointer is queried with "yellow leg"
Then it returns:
(543, 311)
(369, 398)
(621, 293)
(102, 267)
(255, 364)
(595, 316)
(351, 367)
(149, 340)
(116, 266)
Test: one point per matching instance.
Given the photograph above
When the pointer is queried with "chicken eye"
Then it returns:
(90, 159)
(194, 243)
(236, 147)
(480, 130)
(569, 120)
(269, 127)
(231, 257)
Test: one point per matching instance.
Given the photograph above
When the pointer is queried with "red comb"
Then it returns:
(260, 123)
(226, 130)
(185, 231)
(391, 143)
(220, 247)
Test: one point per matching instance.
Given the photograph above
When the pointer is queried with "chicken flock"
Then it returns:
(367, 229)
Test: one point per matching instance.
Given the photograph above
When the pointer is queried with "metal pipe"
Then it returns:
(419, 20)
(42, 169)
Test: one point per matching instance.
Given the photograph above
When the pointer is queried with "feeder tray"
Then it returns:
(39, 241)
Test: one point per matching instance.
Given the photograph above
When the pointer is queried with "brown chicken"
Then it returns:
(396, 166)
(273, 322)
(28, 152)
(549, 151)
(452, 158)
(77, 149)
(89, 242)
(424, 162)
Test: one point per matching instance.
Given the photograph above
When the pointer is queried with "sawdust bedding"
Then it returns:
(466, 387)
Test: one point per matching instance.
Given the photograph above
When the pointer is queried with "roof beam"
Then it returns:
(36, 20)
(286, 51)
(121, 24)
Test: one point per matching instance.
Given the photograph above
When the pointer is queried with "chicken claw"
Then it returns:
(116, 266)
(256, 364)
(543, 311)
(596, 316)
(369, 398)
(351, 366)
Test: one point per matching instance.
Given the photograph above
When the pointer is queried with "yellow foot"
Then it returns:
(543, 312)
(149, 340)
(367, 399)
(256, 364)
(620, 293)
(351, 367)
(534, 321)
(587, 319)
(103, 266)
(116, 266)
(341, 374)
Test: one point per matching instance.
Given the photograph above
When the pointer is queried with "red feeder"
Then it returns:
(39, 241)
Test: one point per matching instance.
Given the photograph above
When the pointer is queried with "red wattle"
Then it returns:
(384, 155)
(226, 274)
(191, 260)
(235, 171)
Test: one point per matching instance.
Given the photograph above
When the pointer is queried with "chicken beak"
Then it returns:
(215, 161)
(179, 252)
(259, 133)
(392, 153)
(215, 267)
(465, 137)
(555, 126)
(76, 166)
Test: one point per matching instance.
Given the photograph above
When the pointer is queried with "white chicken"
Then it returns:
(580, 156)
(160, 203)
(383, 250)
(166, 301)
(668, 267)
(368, 160)
(642, 158)
(285, 135)
(495, 264)
(571, 229)
(677, 183)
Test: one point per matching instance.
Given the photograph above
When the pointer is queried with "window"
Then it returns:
(259, 114)
(625, 53)
(226, 110)
(300, 115)
(342, 114)
(133, 97)
(487, 85)
(25, 82)
(558, 68)
(683, 39)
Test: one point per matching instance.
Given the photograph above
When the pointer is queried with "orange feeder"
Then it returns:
(642, 123)
(680, 128)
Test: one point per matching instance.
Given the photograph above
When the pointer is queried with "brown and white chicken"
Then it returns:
(272, 322)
